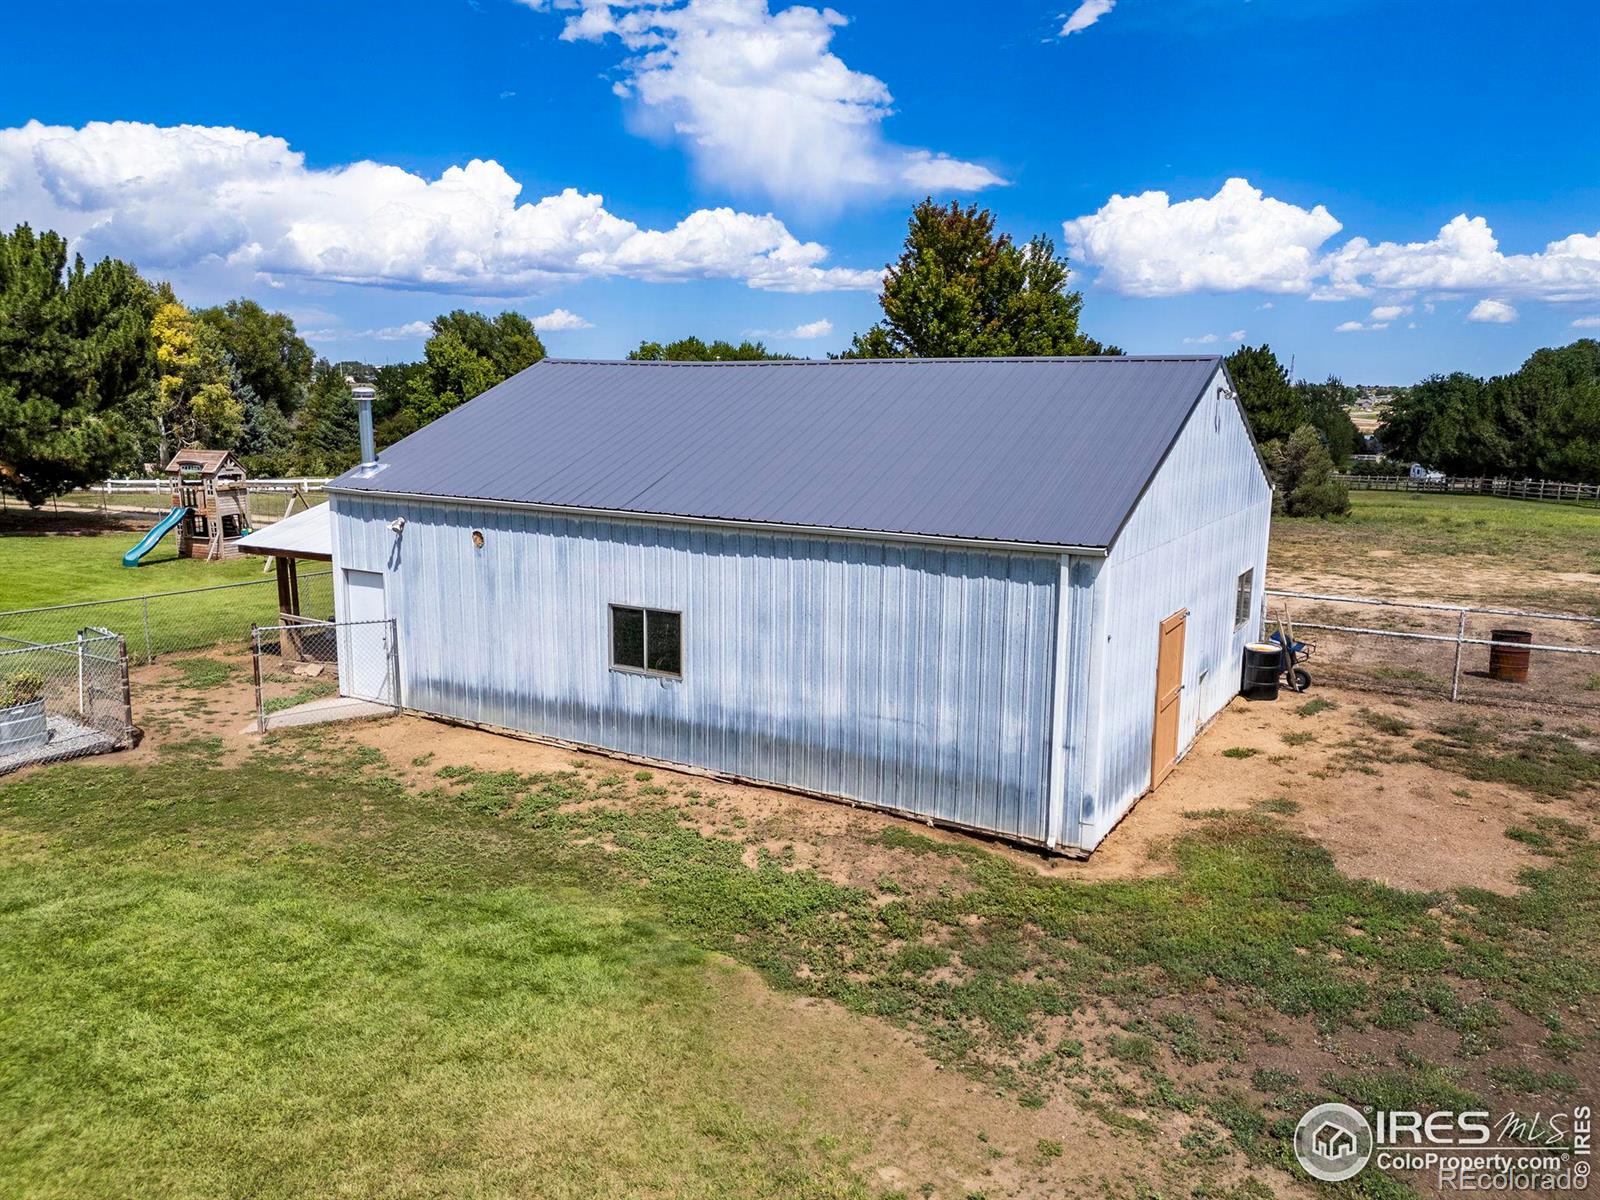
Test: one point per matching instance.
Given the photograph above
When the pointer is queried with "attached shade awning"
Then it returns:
(307, 534)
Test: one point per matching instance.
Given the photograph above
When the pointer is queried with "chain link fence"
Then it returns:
(1459, 652)
(307, 672)
(63, 699)
(195, 619)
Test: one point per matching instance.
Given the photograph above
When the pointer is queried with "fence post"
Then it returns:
(81, 647)
(127, 689)
(1461, 641)
(394, 664)
(255, 670)
(149, 647)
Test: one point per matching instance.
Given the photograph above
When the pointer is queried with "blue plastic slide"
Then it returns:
(148, 542)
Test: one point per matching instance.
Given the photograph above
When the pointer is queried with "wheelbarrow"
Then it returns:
(1295, 677)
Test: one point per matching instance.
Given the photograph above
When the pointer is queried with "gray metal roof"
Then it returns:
(1052, 451)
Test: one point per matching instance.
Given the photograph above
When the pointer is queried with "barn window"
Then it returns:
(648, 640)
(1241, 597)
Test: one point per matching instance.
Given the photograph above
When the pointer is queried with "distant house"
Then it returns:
(999, 594)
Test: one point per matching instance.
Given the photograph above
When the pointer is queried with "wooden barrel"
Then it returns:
(1510, 663)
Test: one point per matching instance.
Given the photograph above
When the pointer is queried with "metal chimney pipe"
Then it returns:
(365, 394)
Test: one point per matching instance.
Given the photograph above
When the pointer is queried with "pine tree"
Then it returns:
(328, 438)
(1274, 407)
(959, 290)
(75, 361)
(1302, 474)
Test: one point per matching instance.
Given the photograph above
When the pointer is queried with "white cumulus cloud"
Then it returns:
(1348, 327)
(807, 331)
(1205, 339)
(1146, 245)
(1240, 238)
(759, 100)
(410, 331)
(1390, 312)
(174, 197)
(1587, 323)
(1086, 14)
(1466, 257)
(1492, 312)
(1236, 336)
(559, 320)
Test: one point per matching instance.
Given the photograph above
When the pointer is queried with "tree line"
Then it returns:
(1541, 421)
(103, 372)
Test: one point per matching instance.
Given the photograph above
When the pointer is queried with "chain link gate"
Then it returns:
(63, 699)
(306, 671)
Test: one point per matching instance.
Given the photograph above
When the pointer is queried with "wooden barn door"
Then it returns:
(1169, 688)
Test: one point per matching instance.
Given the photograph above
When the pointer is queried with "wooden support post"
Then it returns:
(255, 668)
(127, 691)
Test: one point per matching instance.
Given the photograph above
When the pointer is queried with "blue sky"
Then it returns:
(1380, 190)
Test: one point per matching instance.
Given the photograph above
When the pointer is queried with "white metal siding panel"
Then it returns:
(1203, 521)
(912, 677)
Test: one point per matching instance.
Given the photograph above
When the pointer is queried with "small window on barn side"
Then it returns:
(647, 640)
(1241, 598)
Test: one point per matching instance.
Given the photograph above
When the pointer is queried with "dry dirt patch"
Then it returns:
(1405, 824)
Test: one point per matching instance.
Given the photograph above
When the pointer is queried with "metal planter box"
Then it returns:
(22, 727)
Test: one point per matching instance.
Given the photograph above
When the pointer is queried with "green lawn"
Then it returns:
(304, 974)
(1524, 546)
(59, 570)
(36, 571)
(235, 984)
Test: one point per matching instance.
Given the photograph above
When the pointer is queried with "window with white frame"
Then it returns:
(1241, 597)
(648, 641)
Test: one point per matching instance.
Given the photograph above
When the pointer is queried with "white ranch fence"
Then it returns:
(1511, 489)
(120, 487)
(1443, 649)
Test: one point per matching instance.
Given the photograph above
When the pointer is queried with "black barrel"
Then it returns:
(1262, 662)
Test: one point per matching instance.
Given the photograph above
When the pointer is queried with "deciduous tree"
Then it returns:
(194, 403)
(1327, 406)
(271, 358)
(692, 349)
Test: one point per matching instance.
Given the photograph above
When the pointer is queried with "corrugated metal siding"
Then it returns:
(1048, 451)
(917, 678)
(1202, 522)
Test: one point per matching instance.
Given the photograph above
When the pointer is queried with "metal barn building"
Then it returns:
(1000, 594)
